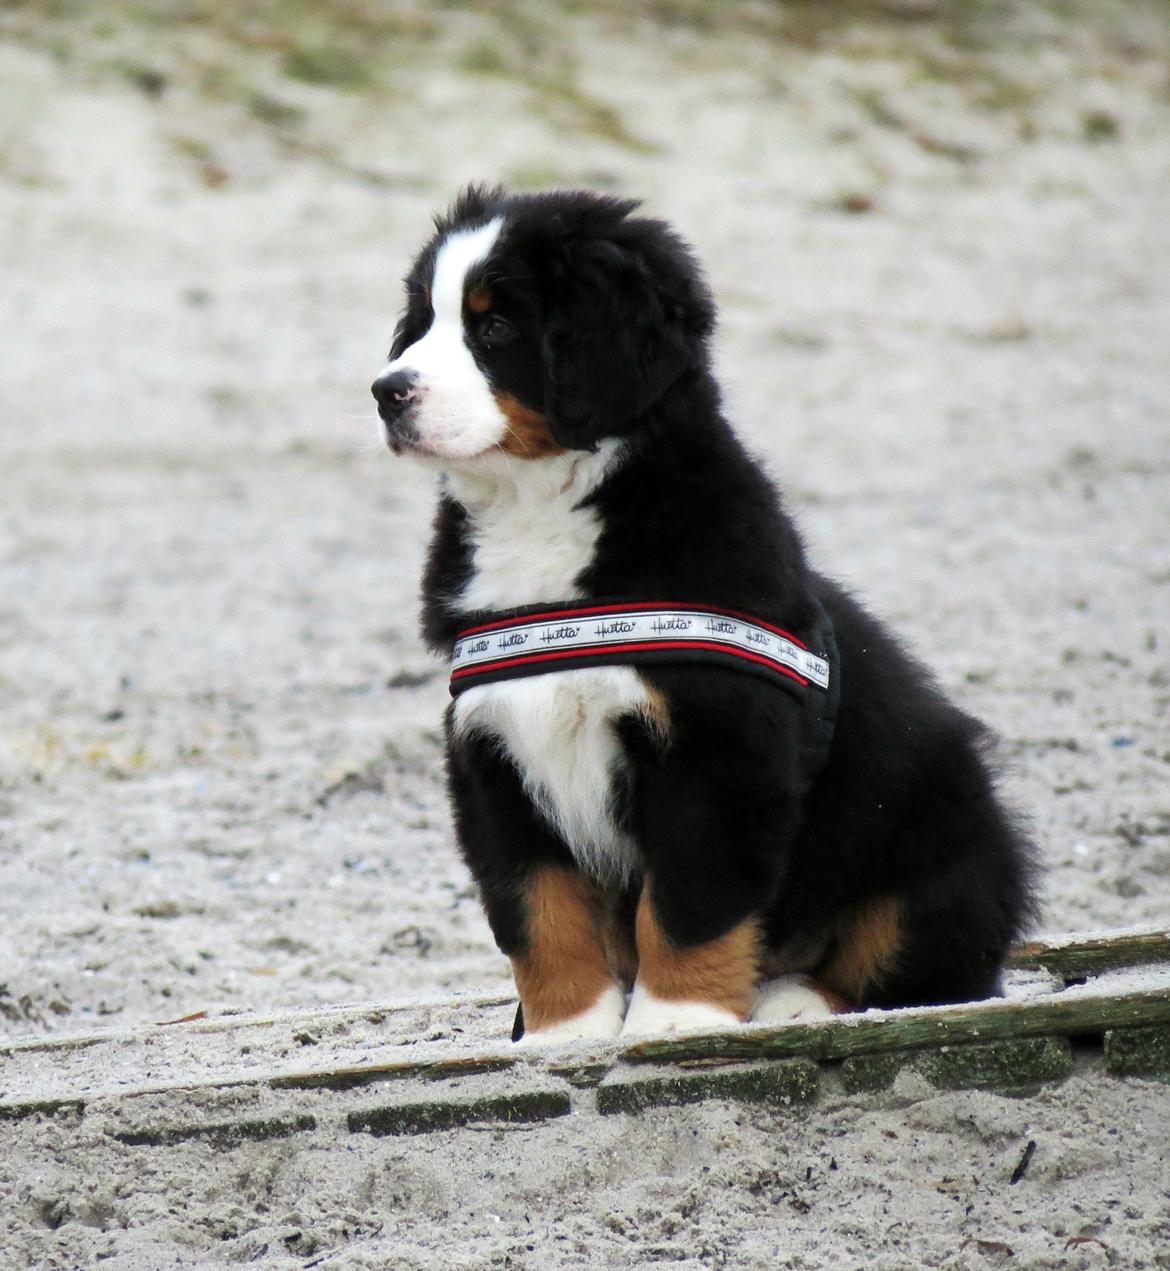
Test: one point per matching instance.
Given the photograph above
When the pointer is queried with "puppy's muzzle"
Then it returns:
(396, 393)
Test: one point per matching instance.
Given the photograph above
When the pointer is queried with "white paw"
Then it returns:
(603, 1019)
(788, 998)
(651, 1016)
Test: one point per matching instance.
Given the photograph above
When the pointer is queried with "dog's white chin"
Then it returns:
(440, 453)
(428, 455)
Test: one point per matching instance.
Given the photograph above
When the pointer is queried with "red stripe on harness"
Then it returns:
(553, 615)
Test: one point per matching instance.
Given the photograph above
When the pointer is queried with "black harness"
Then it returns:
(535, 640)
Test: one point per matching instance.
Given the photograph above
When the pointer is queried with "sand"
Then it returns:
(941, 247)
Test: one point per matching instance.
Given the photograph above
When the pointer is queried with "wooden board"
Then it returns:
(444, 1062)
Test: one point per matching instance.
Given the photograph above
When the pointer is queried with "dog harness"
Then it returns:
(517, 643)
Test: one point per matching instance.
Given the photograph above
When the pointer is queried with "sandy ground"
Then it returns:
(942, 249)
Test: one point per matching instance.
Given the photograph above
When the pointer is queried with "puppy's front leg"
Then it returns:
(566, 988)
(544, 913)
(681, 987)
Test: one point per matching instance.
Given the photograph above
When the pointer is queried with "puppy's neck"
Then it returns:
(496, 482)
(531, 530)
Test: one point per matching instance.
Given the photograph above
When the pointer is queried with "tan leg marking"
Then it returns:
(563, 971)
(867, 947)
(721, 973)
(528, 435)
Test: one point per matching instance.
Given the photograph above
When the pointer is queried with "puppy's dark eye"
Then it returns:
(496, 331)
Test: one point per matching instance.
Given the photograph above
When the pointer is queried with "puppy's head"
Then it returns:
(538, 324)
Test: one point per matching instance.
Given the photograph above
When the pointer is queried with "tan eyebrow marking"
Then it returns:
(479, 298)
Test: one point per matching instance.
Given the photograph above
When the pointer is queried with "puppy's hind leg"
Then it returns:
(862, 954)
(794, 999)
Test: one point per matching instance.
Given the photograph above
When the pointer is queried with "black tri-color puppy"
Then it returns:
(695, 782)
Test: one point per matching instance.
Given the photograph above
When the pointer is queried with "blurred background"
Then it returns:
(939, 233)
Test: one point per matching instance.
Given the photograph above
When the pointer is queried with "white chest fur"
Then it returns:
(532, 535)
(559, 731)
(532, 540)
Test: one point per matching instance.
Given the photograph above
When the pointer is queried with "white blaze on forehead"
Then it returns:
(457, 416)
(457, 257)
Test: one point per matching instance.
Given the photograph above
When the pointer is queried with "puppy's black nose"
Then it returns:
(394, 393)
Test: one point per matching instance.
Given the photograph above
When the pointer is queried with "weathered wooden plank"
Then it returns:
(402, 1049)
(18, 1111)
(1064, 1014)
(222, 1134)
(425, 1115)
(787, 1082)
(1020, 1063)
(375, 1013)
(310, 1047)
(1085, 955)
(865, 1074)
(369, 1074)
(1013, 1065)
(1138, 1052)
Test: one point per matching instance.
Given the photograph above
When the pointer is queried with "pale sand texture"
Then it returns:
(220, 783)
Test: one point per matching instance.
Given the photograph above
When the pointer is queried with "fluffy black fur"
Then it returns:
(614, 319)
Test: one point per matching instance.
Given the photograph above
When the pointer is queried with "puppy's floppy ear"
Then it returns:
(628, 314)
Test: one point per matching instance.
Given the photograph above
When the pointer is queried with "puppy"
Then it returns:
(695, 782)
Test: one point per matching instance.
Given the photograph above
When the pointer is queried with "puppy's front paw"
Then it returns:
(789, 999)
(651, 1016)
(602, 1020)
